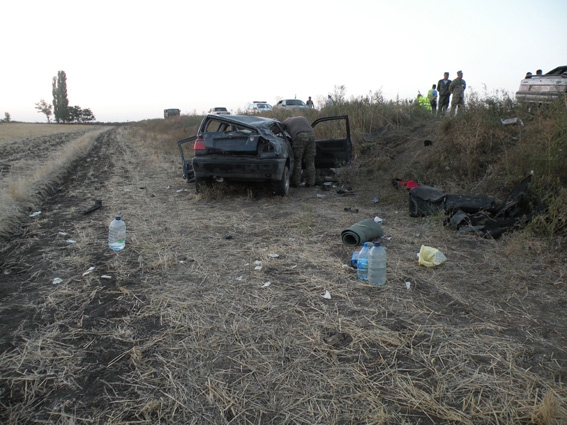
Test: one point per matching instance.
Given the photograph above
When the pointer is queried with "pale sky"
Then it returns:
(129, 60)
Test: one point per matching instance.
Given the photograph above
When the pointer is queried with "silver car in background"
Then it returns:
(544, 88)
(291, 104)
(258, 107)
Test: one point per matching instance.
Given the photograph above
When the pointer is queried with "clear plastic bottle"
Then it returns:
(117, 234)
(377, 265)
(362, 262)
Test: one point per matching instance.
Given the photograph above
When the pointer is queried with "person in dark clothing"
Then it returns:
(303, 146)
(444, 93)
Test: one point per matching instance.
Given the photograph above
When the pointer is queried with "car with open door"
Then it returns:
(256, 148)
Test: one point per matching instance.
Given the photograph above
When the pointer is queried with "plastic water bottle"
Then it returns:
(362, 262)
(117, 234)
(377, 265)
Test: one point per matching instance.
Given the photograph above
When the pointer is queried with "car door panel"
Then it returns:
(333, 142)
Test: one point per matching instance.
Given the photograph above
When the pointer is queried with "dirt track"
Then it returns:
(107, 349)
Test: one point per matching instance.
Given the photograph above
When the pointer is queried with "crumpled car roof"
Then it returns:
(250, 120)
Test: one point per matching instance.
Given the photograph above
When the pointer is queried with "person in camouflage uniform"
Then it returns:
(457, 89)
(444, 93)
(303, 144)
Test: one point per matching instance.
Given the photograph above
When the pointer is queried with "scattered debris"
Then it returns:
(71, 241)
(430, 257)
(96, 206)
(320, 196)
(352, 210)
(375, 200)
(408, 184)
(62, 234)
(274, 255)
(35, 214)
(89, 271)
(511, 121)
(239, 278)
(327, 295)
(481, 214)
(258, 265)
(228, 236)
(57, 281)
(265, 285)
(408, 285)
(105, 276)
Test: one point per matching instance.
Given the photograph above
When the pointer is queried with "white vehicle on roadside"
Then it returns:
(544, 88)
(219, 110)
(257, 107)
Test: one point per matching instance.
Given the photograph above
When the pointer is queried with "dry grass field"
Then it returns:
(214, 313)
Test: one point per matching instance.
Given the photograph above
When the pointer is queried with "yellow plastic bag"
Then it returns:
(430, 257)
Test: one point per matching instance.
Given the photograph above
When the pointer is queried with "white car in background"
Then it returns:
(291, 104)
(257, 107)
(544, 88)
(219, 110)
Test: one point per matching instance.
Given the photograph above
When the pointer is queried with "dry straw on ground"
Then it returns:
(187, 331)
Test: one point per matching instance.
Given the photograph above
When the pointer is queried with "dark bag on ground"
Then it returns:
(425, 200)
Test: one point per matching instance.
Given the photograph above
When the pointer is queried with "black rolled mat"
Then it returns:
(363, 231)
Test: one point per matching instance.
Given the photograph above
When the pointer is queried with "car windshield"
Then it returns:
(295, 102)
(262, 106)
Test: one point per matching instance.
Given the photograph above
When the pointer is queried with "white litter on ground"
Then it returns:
(88, 271)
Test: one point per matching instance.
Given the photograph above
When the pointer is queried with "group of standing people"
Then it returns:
(439, 95)
(328, 102)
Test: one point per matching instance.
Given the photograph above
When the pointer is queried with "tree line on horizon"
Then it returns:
(60, 109)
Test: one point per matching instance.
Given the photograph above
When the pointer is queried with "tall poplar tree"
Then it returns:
(60, 101)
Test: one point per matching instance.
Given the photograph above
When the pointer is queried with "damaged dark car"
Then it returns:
(255, 148)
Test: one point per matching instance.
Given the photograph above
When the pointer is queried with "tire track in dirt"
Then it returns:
(33, 150)
(28, 261)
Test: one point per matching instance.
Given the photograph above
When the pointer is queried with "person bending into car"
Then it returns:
(303, 144)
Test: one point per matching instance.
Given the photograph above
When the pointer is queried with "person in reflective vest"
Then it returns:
(423, 101)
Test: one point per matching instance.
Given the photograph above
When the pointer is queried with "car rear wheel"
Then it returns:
(281, 187)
